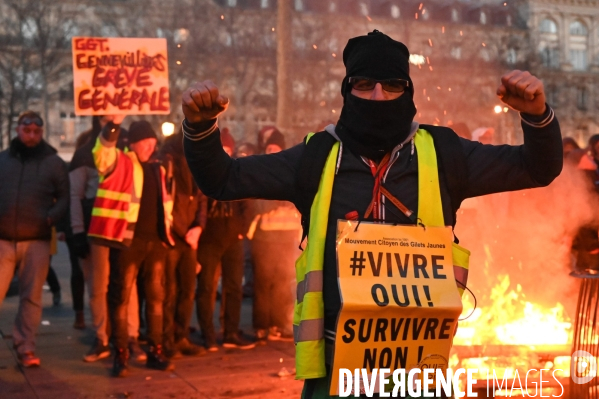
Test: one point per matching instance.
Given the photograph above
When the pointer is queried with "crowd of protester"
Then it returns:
(143, 242)
(146, 245)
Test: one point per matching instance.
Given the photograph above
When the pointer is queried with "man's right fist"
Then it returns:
(203, 102)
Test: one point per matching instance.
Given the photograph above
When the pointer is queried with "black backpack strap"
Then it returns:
(452, 163)
(309, 173)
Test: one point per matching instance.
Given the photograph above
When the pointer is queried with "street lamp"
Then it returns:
(168, 129)
(498, 109)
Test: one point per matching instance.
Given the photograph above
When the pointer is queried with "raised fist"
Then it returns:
(523, 92)
(203, 102)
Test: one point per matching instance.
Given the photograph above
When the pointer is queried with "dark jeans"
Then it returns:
(147, 257)
(52, 280)
(180, 286)
(77, 280)
(210, 255)
(274, 274)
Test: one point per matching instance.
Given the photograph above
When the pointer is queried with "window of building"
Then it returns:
(395, 12)
(232, 3)
(549, 44)
(508, 20)
(483, 18)
(581, 98)
(578, 58)
(333, 7)
(578, 29)
(579, 46)
(548, 26)
(299, 5)
(455, 16)
(263, 3)
(550, 57)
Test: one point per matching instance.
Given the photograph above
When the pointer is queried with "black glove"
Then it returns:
(80, 245)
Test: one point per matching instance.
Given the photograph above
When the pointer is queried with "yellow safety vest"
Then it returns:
(308, 316)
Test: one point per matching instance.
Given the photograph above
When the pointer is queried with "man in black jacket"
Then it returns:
(376, 122)
(189, 219)
(34, 195)
(222, 244)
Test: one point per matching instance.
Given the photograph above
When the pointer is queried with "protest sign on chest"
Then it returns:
(400, 302)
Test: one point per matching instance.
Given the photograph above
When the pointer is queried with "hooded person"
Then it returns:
(376, 164)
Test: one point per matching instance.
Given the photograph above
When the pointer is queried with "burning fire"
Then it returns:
(514, 336)
(511, 320)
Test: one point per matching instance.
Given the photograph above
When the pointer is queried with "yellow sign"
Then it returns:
(400, 303)
(120, 76)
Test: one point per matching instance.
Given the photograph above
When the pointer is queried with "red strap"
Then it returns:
(378, 171)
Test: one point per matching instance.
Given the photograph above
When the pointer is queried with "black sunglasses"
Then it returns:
(28, 120)
(391, 85)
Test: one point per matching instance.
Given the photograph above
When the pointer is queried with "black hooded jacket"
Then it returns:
(491, 169)
(34, 192)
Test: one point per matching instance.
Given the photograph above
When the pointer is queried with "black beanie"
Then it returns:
(140, 130)
(376, 56)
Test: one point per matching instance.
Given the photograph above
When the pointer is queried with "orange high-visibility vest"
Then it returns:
(113, 203)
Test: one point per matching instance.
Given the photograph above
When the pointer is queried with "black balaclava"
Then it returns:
(373, 128)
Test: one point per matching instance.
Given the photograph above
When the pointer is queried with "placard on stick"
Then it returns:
(113, 76)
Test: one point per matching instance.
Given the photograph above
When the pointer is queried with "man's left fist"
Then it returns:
(523, 92)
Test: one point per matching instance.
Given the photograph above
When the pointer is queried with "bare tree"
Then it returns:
(46, 27)
(15, 71)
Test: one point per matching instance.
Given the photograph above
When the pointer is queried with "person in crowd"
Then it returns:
(222, 243)
(34, 196)
(263, 136)
(95, 253)
(570, 145)
(245, 150)
(376, 126)
(275, 234)
(586, 242)
(136, 210)
(189, 219)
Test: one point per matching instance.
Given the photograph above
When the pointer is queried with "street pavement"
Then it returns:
(250, 374)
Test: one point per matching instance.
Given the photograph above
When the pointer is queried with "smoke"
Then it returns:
(527, 235)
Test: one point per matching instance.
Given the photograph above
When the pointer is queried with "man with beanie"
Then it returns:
(221, 244)
(373, 155)
(34, 196)
(136, 210)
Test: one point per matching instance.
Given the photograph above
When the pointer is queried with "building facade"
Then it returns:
(459, 50)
